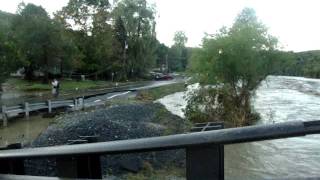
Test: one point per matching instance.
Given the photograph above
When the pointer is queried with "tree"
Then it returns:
(237, 60)
(180, 39)
(69, 54)
(38, 39)
(81, 13)
(95, 35)
(121, 43)
(139, 24)
(8, 55)
(162, 56)
(178, 52)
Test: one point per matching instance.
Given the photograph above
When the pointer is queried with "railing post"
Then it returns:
(81, 103)
(4, 116)
(49, 104)
(26, 109)
(205, 162)
(75, 102)
(12, 166)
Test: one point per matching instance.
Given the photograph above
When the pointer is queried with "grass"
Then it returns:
(160, 92)
(65, 85)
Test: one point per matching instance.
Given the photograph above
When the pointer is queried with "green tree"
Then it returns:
(139, 24)
(95, 35)
(69, 54)
(180, 39)
(162, 56)
(8, 55)
(178, 53)
(236, 60)
(81, 13)
(121, 43)
(37, 38)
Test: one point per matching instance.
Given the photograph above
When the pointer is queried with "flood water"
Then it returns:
(278, 99)
(23, 130)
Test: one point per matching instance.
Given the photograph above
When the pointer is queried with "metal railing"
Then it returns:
(203, 150)
(77, 103)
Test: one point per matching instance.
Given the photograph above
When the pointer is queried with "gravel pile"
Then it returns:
(115, 123)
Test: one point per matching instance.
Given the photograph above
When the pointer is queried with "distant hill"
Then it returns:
(6, 19)
(309, 62)
(308, 54)
(305, 64)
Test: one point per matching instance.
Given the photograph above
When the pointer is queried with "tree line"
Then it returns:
(305, 64)
(90, 37)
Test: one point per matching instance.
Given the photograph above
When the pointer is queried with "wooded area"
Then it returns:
(119, 42)
(87, 37)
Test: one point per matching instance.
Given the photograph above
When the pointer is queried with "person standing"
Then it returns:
(55, 88)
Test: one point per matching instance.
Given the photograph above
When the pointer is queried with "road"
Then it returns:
(91, 99)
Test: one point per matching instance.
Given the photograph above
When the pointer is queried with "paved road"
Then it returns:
(12, 98)
(101, 99)
(98, 97)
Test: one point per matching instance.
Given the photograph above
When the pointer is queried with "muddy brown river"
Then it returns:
(278, 99)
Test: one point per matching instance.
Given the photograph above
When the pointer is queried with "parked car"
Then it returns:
(163, 77)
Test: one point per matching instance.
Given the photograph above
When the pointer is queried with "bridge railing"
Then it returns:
(203, 150)
(27, 108)
(77, 103)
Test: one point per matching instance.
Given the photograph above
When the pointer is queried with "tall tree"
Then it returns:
(237, 59)
(37, 39)
(81, 13)
(95, 35)
(8, 55)
(179, 52)
(139, 22)
(121, 38)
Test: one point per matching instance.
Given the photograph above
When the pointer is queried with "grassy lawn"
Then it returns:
(159, 92)
(65, 85)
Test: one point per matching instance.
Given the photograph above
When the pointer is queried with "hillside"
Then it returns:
(5, 19)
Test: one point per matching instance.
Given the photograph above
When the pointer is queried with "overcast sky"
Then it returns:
(295, 22)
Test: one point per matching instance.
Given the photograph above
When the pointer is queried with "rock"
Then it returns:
(116, 123)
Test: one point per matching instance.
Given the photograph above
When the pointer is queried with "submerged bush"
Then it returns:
(237, 59)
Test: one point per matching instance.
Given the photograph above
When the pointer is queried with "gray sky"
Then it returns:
(294, 22)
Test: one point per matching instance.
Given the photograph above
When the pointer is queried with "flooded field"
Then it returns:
(23, 130)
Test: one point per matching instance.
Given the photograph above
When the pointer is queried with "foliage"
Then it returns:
(88, 37)
(38, 40)
(81, 13)
(178, 54)
(138, 21)
(8, 55)
(162, 56)
(236, 59)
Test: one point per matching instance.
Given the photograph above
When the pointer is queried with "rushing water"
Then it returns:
(278, 99)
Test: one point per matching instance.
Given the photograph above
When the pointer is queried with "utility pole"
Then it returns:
(167, 64)
(125, 57)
